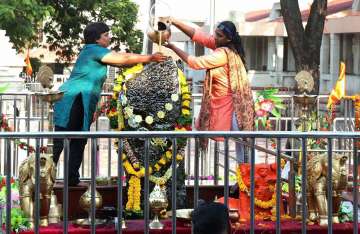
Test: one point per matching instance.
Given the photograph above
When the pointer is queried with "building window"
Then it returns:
(346, 52)
(256, 52)
(289, 60)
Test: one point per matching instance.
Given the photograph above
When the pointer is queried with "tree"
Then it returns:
(21, 20)
(63, 22)
(305, 42)
(64, 30)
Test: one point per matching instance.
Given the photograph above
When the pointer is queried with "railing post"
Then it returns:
(173, 185)
(278, 185)
(8, 186)
(252, 187)
(355, 186)
(66, 185)
(216, 163)
(329, 188)
(196, 173)
(146, 187)
(226, 171)
(120, 185)
(93, 184)
(303, 184)
(37, 187)
(188, 159)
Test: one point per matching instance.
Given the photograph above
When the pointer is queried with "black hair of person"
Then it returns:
(93, 32)
(210, 218)
(229, 29)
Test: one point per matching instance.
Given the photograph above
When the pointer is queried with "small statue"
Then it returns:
(317, 168)
(27, 186)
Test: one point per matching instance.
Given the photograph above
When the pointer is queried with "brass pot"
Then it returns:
(160, 32)
(85, 200)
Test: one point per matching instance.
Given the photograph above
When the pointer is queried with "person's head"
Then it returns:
(226, 35)
(210, 218)
(97, 33)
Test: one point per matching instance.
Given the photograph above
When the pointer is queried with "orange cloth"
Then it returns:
(339, 90)
(221, 96)
(28, 64)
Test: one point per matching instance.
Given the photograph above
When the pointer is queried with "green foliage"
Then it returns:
(285, 186)
(63, 23)
(70, 18)
(22, 19)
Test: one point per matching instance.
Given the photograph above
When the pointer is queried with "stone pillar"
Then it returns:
(279, 41)
(356, 53)
(271, 55)
(325, 54)
(334, 56)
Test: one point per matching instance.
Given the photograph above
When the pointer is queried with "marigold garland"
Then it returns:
(117, 111)
(134, 194)
(260, 203)
(134, 190)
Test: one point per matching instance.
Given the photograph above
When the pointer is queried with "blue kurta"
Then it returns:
(87, 79)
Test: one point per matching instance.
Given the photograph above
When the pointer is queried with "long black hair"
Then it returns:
(229, 29)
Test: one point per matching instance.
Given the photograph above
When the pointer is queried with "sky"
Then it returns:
(200, 9)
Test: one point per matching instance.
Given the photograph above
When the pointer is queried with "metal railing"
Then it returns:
(33, 112)
(93, 136)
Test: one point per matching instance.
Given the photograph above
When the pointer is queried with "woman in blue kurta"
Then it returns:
(74, 112)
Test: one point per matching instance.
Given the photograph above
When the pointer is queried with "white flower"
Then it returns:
(175, 97)
(168, 106)
(149, 119)
(138, 118)
(161, 114)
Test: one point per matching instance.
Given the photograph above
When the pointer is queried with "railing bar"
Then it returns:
(93, 184)
(252, 187)
(7, 167)
(109, 157)
(146, 187)
(14, 145)
(265, 150)
(216, 163)
(329, 188)
(120, 184)
(226, 171)
(303, 184)
(278, 185)
(173, 185)
(196, 173)
(37, 186)
(355, 187)
(188, 161)
(200, 134)
(66, 185)
(28, 112)
(42, 119)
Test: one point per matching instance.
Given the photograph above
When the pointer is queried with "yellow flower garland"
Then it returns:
(258, 202)
(135, 171)
(134, 190)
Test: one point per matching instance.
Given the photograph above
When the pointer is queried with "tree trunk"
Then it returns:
(305, 43)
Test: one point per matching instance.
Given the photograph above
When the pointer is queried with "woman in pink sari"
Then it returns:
(227, 102)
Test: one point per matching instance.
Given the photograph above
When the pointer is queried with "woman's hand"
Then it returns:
(158, 57)
(168, 45)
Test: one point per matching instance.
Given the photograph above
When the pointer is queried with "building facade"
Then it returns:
(268, 54)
